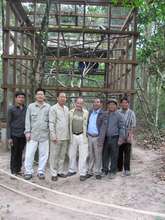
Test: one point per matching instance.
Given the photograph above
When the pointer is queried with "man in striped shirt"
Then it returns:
(125, 148)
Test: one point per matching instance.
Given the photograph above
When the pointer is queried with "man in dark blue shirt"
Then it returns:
(15, 132)
(114, 137)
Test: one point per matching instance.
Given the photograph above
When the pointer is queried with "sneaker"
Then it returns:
(28, 176)
(127, 173)
(71, 173)
(54, 178)
(98, 177)
(89, 175)
(83, 178)
(41, 176)
(111, 175)
(62, 175)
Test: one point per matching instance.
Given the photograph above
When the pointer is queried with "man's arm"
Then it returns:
(121, 125)
(28, 124)
(52, 124)
(9, 119)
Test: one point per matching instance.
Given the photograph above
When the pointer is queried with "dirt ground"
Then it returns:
(143, 190)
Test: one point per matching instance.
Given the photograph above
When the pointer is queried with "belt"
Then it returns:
(93, 135)
(78, 133)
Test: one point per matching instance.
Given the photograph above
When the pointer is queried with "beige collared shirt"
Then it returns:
(59, 122)
(37, 121)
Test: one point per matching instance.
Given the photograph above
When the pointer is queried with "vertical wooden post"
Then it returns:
(134, 38)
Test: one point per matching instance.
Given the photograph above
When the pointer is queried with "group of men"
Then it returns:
(97, 142)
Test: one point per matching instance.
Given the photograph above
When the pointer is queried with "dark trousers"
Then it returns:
(124, 156)
(16, 154)
(110, 154)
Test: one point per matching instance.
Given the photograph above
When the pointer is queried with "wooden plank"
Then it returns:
(79, 59)
(72, 14)
(72, 30)
(72, 89)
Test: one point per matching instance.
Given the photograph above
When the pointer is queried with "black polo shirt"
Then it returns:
(16, 121)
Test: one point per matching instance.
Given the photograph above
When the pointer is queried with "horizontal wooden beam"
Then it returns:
(73, 14)
(77, 2)
(72, 89)
(79, 59)
(72, 30)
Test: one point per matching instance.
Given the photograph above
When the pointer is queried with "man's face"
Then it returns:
(61, 99)
(112, 107)
(97, 104)
(40, 97)
(20, 99)
(124, 104)
(79, 104)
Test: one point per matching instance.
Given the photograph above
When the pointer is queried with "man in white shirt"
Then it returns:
(78, 139)
(37, 134)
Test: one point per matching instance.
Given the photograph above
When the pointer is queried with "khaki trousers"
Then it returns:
(57, 157)
(95, 156)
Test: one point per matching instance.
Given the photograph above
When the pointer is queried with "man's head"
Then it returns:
(40, 95)
(79, 103)
(20, 98)
(61, 98)
(112, 105)
(124, 103)
(97, 104)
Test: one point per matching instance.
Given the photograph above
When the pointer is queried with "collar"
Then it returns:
(60, 106)
(96, 111)
(125, 111)
(37, 104)
(17, 106)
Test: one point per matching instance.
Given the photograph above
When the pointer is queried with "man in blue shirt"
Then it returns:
(96, 121)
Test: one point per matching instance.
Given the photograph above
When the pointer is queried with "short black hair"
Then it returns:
(19, 93)
(101, 101)
(58, 94)
(125, 98)
(40, 89)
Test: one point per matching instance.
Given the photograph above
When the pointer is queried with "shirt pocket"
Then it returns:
(34, 117)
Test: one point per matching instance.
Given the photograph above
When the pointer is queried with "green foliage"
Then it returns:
(151, 55)
(128, 3)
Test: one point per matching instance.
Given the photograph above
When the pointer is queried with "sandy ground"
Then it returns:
(142, 190)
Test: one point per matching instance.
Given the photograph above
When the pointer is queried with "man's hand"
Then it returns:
(120, 141)
(10, 142)
(28, 136)
(55, 140)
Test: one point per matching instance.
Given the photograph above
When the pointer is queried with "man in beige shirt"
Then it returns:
(78, 139)
(59, 136)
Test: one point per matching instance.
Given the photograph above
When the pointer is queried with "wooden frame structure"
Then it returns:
(67, 45)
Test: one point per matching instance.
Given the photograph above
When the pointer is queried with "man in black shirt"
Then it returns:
(15, 132)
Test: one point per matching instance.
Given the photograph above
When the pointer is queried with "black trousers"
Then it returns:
(16, 154)
(110, 154)
(124, 157)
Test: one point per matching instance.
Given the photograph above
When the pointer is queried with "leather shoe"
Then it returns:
(89, 175)
(54, 178)
(62, 175)
(98, 177)
(71, 174)
(83, 178)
